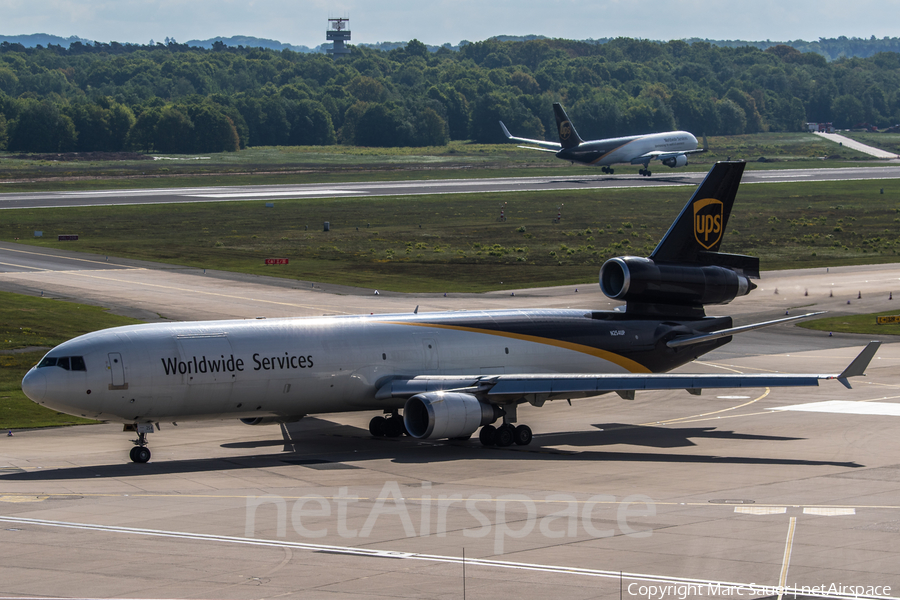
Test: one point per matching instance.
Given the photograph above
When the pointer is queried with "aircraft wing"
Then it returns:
(546, 146)
(662, 155)
(506, 388)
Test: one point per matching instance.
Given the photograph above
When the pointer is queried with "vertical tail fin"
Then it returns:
(700, 227)
(568, 137)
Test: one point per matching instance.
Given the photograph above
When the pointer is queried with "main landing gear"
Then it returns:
(608, 170)
(645, 172)
(505, 435)
(391, 426)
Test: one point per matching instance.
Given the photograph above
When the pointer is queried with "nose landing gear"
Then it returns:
(140, 453)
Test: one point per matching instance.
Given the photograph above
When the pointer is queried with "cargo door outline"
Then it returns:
(117, 371)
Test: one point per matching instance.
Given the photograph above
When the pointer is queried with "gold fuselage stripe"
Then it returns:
(626, 363)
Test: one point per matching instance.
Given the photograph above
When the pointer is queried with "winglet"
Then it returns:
(506, 131)
(858, 367)
(705, 144)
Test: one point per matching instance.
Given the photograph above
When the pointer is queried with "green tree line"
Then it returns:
(173, 98)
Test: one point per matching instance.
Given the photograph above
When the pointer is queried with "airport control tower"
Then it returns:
(339, 34)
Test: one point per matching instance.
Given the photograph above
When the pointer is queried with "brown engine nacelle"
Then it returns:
(637, 279)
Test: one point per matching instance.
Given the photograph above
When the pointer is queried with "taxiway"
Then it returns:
(723, 491)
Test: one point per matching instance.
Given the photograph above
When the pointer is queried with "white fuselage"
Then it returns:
(288, 367)
(637, 149)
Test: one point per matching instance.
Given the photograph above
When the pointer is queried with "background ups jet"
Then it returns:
(671, 148)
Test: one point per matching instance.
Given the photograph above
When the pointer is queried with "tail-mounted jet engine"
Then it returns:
(676, 161)
(447, 415)
(641, 280)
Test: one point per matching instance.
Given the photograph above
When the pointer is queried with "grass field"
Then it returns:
(27, 322)
(856, 324)
(457, 243)
(326, 164)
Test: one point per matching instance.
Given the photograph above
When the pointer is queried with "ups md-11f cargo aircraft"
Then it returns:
(452, 372)
(671, 148)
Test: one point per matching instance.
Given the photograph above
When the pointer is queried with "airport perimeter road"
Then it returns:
(854, 145)
(589, 180)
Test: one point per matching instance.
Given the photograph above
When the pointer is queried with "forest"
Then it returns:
(173, 98)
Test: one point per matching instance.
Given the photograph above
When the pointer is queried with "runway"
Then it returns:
(745, 493)
(270, 193)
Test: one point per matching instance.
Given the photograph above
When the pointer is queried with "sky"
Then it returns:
(435, 22)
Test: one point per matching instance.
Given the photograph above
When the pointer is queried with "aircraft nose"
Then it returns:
(34, 384)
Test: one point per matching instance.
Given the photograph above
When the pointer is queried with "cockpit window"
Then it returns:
(69, 363)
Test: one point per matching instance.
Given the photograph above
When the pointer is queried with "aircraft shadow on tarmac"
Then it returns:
(666, 437)
(330, 448)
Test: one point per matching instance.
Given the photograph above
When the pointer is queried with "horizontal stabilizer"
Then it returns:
(715, 335)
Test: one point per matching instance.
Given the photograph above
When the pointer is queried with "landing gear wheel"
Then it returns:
(378, 426)
(394, 427)
(522, 435)
(487, 435)
(140, 454)
(505, 436)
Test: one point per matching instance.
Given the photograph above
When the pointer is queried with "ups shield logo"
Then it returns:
(565, 130)
(708, 222)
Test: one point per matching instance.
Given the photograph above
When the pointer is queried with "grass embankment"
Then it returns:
(330, 164)
(39, 322)
(457, 243)
(856, 324)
